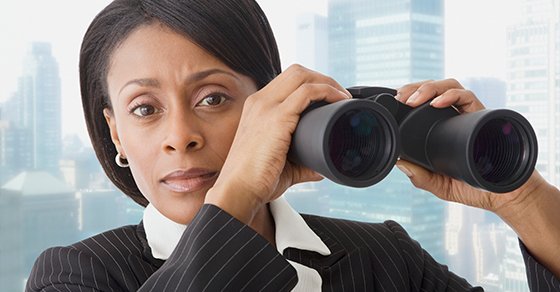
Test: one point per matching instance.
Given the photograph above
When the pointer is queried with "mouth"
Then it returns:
(189, 181)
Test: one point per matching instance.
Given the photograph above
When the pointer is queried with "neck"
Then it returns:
(263, 224)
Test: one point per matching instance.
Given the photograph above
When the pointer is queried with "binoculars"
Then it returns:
(356, 142)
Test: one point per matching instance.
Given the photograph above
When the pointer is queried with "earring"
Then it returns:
(122, 162)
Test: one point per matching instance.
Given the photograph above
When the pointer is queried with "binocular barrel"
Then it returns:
(356, 142)
(353, 143)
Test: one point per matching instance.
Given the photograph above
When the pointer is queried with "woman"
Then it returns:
(191, 117)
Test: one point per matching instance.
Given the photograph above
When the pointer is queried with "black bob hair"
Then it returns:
(236, 32)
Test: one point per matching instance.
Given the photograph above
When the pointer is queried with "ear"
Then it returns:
(111, 123)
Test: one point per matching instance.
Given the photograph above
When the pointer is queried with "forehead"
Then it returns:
(157, 47)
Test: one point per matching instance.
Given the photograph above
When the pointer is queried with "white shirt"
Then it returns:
(163, 235)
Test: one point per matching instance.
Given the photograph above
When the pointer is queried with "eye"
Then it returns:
(144, 110)
(213, 99)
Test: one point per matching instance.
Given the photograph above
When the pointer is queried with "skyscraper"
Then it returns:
(35, 110)
(312, 42)
(385, 43)
(43, 212)
(490, 91)
(11, 242)
(533, 73)
(389, 43)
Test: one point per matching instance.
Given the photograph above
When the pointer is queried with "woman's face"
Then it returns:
(175, 111)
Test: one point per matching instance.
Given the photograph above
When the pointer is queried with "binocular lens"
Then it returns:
(357, 142)
(499, 151)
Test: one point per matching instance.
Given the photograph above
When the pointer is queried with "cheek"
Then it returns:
(142, 155)
(219, 140)
(143, 174)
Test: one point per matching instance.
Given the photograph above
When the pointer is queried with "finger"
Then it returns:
(301, 174)
(431, 89)
(307, 93)
(464, 100)
(404, 92)
(424, 179)
(295, 76)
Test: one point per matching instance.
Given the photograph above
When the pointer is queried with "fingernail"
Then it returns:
(405, 170)
(398, 96)
(435, 100)
(345, 93)
(413, 97)
(348, 93)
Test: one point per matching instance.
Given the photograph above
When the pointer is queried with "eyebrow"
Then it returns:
(151, 82)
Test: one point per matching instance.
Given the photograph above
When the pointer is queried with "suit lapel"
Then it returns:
(144, 264)
(344, 269)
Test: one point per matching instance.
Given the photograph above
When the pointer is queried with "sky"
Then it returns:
(474, 31)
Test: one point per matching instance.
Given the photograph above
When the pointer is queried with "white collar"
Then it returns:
(163, 234)
(292, 231)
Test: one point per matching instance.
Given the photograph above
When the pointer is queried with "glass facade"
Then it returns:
(533, 71)
(386, 43)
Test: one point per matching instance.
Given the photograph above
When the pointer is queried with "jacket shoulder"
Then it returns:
(391, 252)
(355, 233)
(108, 261)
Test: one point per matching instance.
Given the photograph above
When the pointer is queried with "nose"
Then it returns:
(182, 134)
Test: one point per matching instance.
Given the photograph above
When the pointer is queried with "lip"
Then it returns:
(185, 181)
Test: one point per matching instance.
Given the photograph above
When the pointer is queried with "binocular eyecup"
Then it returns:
(357, 142)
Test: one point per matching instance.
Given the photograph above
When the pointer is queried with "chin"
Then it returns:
(181, 212)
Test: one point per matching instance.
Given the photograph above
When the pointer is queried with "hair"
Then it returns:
(236, 32)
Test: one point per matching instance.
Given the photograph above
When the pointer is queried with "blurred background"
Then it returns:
(53, 191)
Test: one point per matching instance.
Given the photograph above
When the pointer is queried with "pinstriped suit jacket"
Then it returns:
(219, 253)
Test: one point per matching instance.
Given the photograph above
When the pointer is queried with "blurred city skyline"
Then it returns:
(469, 27)
(474, 243)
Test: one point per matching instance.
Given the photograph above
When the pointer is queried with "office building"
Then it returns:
(35, 111)
(79, 166)
(385, 43)
(533, 73)
(104, 209)
(312, 42)
(45, 214)
(490, 91)
(11, 242)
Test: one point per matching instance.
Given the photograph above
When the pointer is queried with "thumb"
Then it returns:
(303, 174)
(420, 177)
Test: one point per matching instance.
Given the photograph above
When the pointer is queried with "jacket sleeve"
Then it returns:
(216, 252)
(539, 277)
(425, 274)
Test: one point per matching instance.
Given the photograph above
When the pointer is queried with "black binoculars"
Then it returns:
(356, 142)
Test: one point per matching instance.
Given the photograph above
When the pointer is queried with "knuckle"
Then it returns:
(428, 86)
(330, 80)
(470, 93)
(407, 89)
(307, 88)
(255, 103)
(297, 69)
(453, 92)
(454, 82)
(251, 100)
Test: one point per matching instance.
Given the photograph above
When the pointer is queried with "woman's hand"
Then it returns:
(445, 93)
(531, 210)
(256, 170)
